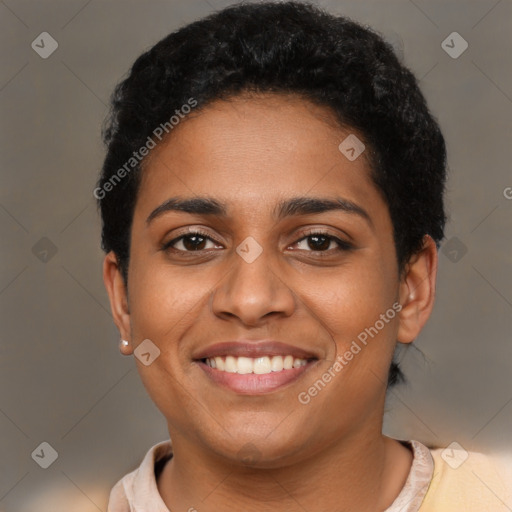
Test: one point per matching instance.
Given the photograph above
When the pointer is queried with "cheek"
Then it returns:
(352, 299)
(164, 299)
(356, 311)
(350, 384)
(163, 307)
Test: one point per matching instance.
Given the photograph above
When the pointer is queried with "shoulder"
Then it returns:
(121, 494)
(469, 481)
(138, 488)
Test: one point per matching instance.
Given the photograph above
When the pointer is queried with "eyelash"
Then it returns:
(342, 245)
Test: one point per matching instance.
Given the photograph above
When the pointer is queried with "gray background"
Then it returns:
(62, 378)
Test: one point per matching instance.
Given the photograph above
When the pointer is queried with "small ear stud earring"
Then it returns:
(123, 346)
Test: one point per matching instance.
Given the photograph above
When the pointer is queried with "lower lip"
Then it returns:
(252, 383)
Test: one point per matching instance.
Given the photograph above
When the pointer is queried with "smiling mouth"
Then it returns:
(254, 376)
(257, 365)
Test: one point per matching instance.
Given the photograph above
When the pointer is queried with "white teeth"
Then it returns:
(230, 365)
(259, 365)
(244, 365)
(288, 363)
(277, 363)
(219, 363)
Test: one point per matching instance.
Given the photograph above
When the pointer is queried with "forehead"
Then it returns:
(255, 149)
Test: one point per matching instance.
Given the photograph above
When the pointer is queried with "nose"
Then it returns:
(252, 292)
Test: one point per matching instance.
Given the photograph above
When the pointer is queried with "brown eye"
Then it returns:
(190, 242)
(321, 242)
(194, 242)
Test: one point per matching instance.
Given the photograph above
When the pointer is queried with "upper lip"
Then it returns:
(259, 348)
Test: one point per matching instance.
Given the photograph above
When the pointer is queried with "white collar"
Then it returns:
(141, 488)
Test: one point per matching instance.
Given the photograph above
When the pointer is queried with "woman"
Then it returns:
(272, 206)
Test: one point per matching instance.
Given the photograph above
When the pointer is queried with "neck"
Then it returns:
(364, 471)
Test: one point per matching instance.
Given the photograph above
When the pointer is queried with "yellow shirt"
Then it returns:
(469, 482)
(440, 480)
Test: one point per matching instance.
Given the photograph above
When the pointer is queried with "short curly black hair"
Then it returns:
(293, 48)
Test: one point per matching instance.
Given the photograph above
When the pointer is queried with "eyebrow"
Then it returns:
(302, 205)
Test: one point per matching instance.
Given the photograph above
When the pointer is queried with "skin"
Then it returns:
(330, 454)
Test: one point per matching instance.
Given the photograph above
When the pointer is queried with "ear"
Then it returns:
(117, 293)
(417, 291)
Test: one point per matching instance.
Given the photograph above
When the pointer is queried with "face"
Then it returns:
(228, 288)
